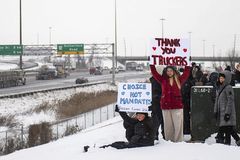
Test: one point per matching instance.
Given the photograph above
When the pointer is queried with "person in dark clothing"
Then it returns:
(224, 110)
(232, 83)
(156, 108)
(142, 131)
(200, 79)
(213, 78)
(186, 96)
(237, 73)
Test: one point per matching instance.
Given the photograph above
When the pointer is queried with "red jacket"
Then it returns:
(171, 95)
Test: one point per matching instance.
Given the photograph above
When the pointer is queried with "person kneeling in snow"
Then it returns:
(139, 131)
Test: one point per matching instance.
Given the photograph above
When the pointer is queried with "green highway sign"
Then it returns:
(70, 48)
(11, 49)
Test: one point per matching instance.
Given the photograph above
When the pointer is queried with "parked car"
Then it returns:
(81, 80)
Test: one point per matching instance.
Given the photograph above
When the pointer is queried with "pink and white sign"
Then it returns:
(172, 52)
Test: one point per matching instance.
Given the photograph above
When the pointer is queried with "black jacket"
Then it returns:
(156, 95)
(143, 130)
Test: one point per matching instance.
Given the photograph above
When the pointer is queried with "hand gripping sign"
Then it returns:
(134, 97)
(170, 52)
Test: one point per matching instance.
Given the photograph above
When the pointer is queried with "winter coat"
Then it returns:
(143, 131)
(237, 76)
(171, 95)
(224, 103)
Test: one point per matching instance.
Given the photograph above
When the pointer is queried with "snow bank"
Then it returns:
(71, 148)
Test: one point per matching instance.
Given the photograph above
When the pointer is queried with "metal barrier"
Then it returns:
(16, 139)
(203, 123)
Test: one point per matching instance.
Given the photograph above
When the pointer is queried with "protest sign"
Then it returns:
(134, 97)
(171, 52)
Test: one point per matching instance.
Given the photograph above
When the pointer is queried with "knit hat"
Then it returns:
(222, 75)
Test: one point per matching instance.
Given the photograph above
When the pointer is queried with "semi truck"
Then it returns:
(12, 78)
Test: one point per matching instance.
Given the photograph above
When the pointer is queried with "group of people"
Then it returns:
(171, 91)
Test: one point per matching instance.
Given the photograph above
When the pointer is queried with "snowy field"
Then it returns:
(71, 148)
(21, 107)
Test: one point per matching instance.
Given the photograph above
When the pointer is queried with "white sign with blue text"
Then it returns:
(134, 97)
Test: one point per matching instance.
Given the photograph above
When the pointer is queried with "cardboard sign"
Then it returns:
(170, 52)
(134, 97)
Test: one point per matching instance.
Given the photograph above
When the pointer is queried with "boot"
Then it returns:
(238, 143)
(219, 140)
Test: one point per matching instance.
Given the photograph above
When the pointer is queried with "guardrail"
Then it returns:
(16, 139)
(23, 94)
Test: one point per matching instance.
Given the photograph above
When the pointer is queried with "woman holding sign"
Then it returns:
(171, 101)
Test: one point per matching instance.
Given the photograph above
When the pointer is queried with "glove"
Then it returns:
(150, 108)
(226, 117)
(116, 108)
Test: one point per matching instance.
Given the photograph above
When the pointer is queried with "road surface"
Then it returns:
(33, 84)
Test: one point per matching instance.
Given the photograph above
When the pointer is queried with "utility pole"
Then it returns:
(115, 46)
(125, 47)
(50, 35)
(234, 44)
(213, 50)
(162, 19)
(204, 48)
(20, 36)
(190, 42)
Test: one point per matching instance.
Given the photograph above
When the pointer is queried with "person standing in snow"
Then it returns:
(171, 101)
(224, 110)
(155, 108)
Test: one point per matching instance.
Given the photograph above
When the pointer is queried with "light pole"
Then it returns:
(115, 49)
(162, 19)
(213, 47)
(50, 35)
(204, 48)
(20, 35)
(190, 42)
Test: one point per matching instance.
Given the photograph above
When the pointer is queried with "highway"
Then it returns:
(33, 84)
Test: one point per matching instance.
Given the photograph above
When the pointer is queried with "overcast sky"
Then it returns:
(92, 21)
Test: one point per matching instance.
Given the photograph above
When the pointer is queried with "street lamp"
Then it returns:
(20, 34)
(204, 48)
(190, 42)
(213, 47)
(50, 35)
(162, 19)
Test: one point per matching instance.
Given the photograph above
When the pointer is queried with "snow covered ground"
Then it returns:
(22, 107)
(71, 148)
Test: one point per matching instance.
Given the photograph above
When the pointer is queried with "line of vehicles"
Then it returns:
(58, 70)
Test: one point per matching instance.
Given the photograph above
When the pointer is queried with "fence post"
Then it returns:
(76, 121)
(6, 144)
(100, 115)
(114, 115)
(93, 118)
(57, 130)
(67, 127)
(22, 142)
(85, 120)
(107, 112)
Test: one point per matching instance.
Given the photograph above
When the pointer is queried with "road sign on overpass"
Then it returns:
(11, 50)
(66, 49)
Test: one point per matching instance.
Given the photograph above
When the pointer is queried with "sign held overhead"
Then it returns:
(172, 52)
